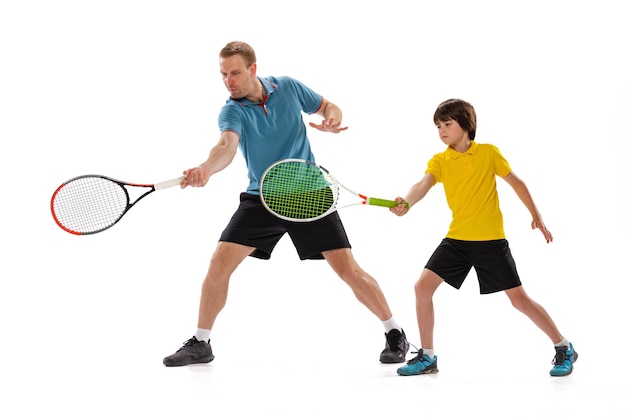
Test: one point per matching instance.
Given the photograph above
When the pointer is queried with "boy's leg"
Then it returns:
(424, 363)
(565, 353)
(425, 288)
(523, 303)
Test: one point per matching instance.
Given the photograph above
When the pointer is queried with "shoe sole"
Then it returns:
(393, 361)
(431, 371)
(198, 361)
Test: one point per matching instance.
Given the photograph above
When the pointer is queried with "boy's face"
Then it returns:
(451, 132)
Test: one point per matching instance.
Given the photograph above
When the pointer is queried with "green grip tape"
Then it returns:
(384, 202)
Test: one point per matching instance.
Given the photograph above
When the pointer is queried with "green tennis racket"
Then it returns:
(303, 191)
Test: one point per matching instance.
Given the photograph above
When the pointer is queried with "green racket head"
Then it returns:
(298, 190)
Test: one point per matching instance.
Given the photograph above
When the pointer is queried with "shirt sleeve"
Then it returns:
(308, 98)
(434, 168)
(230, 120)
(501, 165)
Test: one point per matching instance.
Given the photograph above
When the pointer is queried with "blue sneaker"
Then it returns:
(564, 361)
(420, 364)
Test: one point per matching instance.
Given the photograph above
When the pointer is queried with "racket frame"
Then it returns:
(123, 185)
(333, 183)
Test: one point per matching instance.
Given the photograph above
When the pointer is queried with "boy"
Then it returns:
(476, 236)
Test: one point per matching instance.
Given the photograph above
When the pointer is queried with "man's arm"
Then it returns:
(332, 115)
(220, 156)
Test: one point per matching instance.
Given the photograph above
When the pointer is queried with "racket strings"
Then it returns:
(299, 190)
(89, 204)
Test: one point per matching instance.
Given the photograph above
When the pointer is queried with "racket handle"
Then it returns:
(384, 202)
(169, 183)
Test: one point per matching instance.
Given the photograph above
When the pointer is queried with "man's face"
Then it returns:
(238, 79)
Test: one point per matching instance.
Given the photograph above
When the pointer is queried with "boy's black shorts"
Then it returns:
(492, 260)
(254, 226)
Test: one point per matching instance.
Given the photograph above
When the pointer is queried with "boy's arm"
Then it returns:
(524, 194)
(416, 193)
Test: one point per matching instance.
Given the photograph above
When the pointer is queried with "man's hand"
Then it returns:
(195, 177)
(329, 125)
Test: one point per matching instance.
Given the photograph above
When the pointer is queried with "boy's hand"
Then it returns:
(538, 224)
(402, 208)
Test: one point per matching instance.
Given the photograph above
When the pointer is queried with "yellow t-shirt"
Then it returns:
(469, 181)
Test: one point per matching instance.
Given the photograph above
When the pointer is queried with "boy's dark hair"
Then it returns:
(241, 48)
(460, 111)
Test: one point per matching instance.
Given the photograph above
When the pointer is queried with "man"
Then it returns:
(263, 118)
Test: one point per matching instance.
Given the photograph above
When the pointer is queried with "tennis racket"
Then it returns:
(303, 191)
(93, 203)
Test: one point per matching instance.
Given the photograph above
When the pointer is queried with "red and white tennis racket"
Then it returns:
(93, 203)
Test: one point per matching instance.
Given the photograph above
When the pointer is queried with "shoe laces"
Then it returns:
(192, 341)
(419, 357)
(396, 340)
(559, 357)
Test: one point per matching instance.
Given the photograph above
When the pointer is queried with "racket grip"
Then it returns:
(384, 202)
(169, 183)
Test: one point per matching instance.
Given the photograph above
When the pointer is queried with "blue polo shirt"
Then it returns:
(274, 129)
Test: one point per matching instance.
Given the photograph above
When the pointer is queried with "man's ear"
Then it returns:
(252, 69)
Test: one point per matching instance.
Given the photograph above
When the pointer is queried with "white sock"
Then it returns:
(203, 334)
(563, 343)
(429, 352)
(391, 324)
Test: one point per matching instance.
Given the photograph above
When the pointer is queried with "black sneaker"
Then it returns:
(192, 352)
(396, 347)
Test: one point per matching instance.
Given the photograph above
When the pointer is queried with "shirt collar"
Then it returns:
(454, 154)
(268, 86)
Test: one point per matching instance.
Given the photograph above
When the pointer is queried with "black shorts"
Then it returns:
(254, 226)
(492, 260)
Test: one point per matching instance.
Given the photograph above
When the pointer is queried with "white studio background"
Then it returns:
(131, 89)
